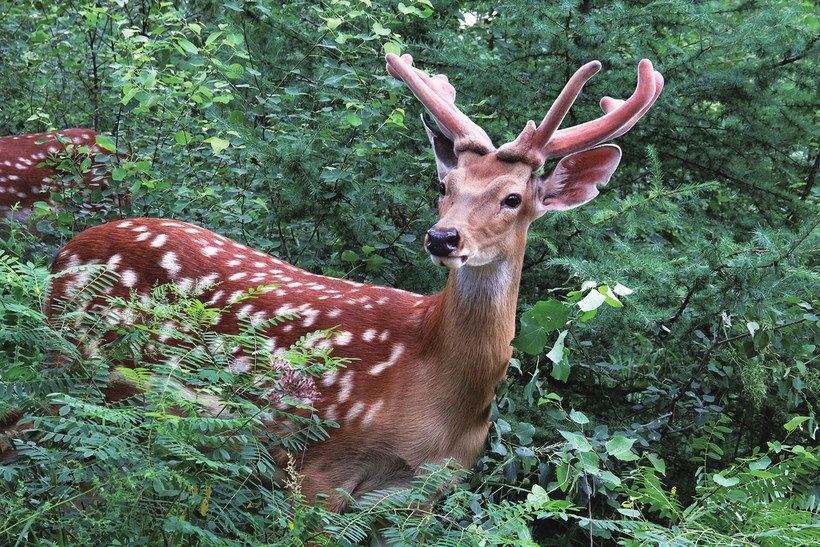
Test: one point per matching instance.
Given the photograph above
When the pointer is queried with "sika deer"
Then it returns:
(26, 179)
(422, 383)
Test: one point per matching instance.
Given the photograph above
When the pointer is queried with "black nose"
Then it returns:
(442, 242)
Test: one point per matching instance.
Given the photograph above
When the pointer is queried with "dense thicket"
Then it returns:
(684, 411)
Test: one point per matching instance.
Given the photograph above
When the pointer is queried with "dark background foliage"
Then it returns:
(276, 124)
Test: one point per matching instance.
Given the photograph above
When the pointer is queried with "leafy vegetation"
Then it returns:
(666, 380)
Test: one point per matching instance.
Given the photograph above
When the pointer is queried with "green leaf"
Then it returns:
(556, 354)
(725, 481)
(761, 464)
(621, 448)
(657, 463)
(332, 23)
(379, 30)
(188, 46)
(217, 144)
(578, 417)
(592, 301)
(795, 422)
(621, 290)
(353, 119)
(560, 371)
(349, 256)
(392, 47)
(182, 137)
(524, 432)
(576, 440)
(609, 296)
(106, 142)
(531, 339)
(550, 315)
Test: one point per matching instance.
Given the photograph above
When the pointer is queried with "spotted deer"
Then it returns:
(421, 381)
(25, 178)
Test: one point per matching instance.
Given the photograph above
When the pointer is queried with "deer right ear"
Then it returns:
(574, 180)
(443, 148)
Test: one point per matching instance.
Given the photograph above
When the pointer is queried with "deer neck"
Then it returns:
(471, 323)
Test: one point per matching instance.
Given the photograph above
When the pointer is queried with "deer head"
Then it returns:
(490, 195)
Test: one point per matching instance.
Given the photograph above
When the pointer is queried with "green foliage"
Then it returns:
(653, 415)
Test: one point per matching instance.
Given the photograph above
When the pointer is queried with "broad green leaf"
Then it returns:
(538, 495)
(657, 463)
(560, 371)
(379, 30)
(349, 256)
(725, 481)
(578, 417)
(392, 47)
(106, 142)
(188, 46)
(592, 301)
(182, 137)
(556, 354)
(576, 440)
(353, 119)
(795, 422)
(609, 296)
(530, 340)
(761, 464)
(621, 448)
(621, 290)
(550, 315)
(332, 23)
(217, 144)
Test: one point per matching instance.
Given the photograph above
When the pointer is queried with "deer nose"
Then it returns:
(442, 242)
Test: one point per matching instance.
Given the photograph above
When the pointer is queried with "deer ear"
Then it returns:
(574, 180)
(443, 148)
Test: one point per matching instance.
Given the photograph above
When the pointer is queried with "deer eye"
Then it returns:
(442, 189)
(512, 201)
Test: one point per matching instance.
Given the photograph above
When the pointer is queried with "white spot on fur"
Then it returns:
(128, 278)
(370, 417)
(345, 387)
(354, 411)
(394, 357)
(169, 262)
(369, 335)
(159, 241)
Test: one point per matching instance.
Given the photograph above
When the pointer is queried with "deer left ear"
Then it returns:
(574, 180)
(443, 148)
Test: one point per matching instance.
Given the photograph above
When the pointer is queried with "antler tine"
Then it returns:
(563, 103)
(608, 104)
(438, 96)
(619, 117)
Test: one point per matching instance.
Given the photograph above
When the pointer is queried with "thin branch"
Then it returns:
(811, 178)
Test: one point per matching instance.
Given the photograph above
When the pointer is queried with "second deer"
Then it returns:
(422, 380)
(30, 169)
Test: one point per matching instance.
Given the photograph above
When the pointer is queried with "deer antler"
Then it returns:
(536, 145)
(439, 97)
